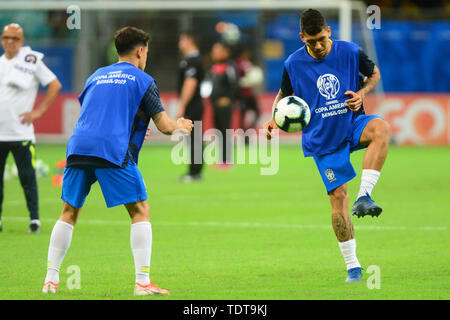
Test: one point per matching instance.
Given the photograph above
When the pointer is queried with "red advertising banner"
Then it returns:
(416, 119)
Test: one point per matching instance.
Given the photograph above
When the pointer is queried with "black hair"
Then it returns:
(191, 35)
(127, 38)
(312, 22)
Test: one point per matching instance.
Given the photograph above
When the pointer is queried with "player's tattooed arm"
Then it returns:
(356, 98)
(371, 82)
(157, 117)
(167, 126)
(163, 125)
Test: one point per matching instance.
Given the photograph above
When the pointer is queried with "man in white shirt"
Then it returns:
(21, 72)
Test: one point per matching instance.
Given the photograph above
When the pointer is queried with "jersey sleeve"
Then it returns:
(366, 65)
(191, 71)
(44, 74)
(286, 85)
(151, 103)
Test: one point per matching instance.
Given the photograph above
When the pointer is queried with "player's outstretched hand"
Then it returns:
(268, 127)
(355, 101)
(185, 125)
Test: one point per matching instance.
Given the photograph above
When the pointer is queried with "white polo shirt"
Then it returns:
(15, 101)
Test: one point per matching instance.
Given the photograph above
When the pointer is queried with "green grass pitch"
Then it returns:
(242, 235)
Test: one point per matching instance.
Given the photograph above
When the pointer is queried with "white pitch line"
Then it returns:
(14, 203)
(240, 225)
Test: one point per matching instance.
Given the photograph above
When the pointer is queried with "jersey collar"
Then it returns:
(309, 52)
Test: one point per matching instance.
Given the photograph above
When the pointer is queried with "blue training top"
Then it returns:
(322, 83)
(117, 104)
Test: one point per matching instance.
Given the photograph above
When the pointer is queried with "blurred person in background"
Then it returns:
(21, 72)
(250, 76)
(191, 75)
(225, 84)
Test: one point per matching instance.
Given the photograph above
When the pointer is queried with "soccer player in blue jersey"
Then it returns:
(326, 73)
(117, 104)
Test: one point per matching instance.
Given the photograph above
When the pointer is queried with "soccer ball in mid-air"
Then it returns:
(291, 114)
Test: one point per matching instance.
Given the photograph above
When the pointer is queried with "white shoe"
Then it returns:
(35, 227)
(190, 178)
(50, 287)
(150, 289)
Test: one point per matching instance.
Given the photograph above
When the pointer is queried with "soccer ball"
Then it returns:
(291, 114)
(42, 169)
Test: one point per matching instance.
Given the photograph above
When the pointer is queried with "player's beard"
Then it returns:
(320, 53)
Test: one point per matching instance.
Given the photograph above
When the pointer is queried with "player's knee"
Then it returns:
(139, 211)
(382, 131)
(141, 216)
(338, 195)
(146, 211)
(69, 214)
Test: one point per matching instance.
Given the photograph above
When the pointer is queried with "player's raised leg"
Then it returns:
(343, 228)
(141, 246)
(376, 136)
(59, 244)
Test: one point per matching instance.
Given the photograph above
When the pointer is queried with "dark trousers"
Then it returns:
(24, 156)
(222, 119)
(194, 112)
(248, 103)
